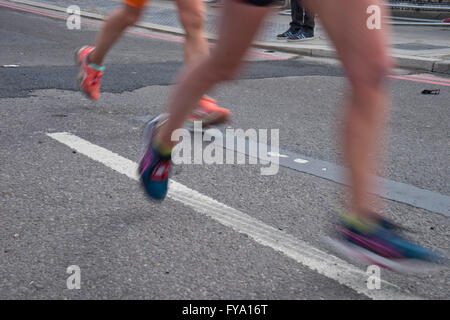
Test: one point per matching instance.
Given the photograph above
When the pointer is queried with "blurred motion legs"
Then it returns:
(112, 30)
(364, 55)
(191, 14)
(238, 26)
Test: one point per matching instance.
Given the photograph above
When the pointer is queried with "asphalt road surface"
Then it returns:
(68, 194)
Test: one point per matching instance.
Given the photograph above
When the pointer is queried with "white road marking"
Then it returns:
(313, 258)
(276, 155)
(302, 161)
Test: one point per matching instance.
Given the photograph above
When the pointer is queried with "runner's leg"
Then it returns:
(192, 15)
(364, 54)
(238, 26)
(368, 236)
(117, 22)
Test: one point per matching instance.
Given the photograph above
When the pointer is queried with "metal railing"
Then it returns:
(419, 12)
(410, 4)
(419, 6)
(415, 6)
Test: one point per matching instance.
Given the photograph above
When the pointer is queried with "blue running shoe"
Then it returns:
(286, 34)
(154, 169)
(380, 243)
(300, 36)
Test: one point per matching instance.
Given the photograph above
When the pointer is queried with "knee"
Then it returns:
(192, 21)
(370, 73)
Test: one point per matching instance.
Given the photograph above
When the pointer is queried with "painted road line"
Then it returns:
(420, 80)
(302, 161)
(428, 78)
(276, 154)
(313, 258)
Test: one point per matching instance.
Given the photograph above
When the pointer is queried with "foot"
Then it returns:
(209, 113)
(300, 36)
(154, 167)
(378, 242)
(90, 75)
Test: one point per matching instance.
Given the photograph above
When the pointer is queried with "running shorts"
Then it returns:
(259, 3)
(135, 3)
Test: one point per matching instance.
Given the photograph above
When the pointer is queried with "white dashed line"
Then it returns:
(302, 161)
(276, 155)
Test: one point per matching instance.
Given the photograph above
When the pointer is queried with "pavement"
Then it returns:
(69, 195)
(414, 47)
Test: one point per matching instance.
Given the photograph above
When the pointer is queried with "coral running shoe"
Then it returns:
(154, 168)
(209, 113)
(90, 75)
(380, 243)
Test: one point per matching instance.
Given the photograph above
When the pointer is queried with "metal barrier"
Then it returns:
(407, 4)
(415, 6)
(420, 13)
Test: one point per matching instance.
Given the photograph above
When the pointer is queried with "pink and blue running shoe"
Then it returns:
(154, 168)
(380, 243)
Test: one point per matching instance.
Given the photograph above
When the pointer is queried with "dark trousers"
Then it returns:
(301, 19)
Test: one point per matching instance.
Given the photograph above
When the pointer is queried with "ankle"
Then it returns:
(92, 59)
(164, 150)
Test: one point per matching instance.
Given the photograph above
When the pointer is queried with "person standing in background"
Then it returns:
(302, 24)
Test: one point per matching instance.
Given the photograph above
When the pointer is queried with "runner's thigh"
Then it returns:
(362, 50)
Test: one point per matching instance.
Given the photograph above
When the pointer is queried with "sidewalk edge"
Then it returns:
(403, 61)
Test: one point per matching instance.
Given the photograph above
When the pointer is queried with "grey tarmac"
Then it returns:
(60, 208)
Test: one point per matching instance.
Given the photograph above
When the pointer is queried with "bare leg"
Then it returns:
(364, 55)
(238, 26)
(111, 31)
(192, 14)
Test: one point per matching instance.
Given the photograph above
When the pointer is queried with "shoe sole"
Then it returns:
(360, 255)
(300, 40)
(148, 133)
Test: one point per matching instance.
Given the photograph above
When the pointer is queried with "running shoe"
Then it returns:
(380, 243)
(90, 75)
(299, 36)
(154, 168)
(209, 113)
(285, 35)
